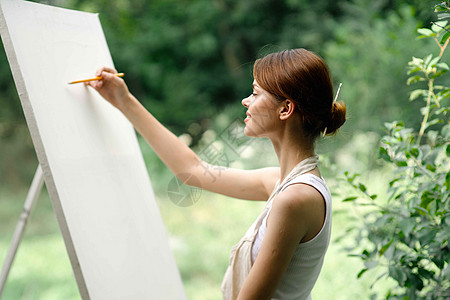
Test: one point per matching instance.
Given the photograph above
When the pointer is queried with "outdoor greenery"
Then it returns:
(407, 234)
(190, 63)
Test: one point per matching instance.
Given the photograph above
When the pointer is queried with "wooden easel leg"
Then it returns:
(33, 194)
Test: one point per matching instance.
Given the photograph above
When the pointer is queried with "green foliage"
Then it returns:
(189, 61)
(180, 56)
(406, 236)
(368, 54)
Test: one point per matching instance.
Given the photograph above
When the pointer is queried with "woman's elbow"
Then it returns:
(189, 178)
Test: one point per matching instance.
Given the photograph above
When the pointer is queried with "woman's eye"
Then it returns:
(253, 94)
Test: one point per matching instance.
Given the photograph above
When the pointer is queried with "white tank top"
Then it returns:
(240, 262)
(306, 263)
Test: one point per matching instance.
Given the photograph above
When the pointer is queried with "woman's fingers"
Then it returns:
(108, 77)
(90, 83)
(96, 84)
(106, 69)
(106, 73)
(110, 87)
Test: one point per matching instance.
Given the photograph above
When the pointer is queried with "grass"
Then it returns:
(41, 269)
(200, 235)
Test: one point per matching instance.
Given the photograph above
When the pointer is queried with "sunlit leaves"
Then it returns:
(426, 32)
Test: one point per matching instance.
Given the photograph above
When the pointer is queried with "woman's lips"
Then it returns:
(247, 118)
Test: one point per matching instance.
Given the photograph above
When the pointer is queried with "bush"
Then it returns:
(406, 236)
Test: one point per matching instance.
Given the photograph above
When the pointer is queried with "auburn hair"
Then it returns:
(304, 78)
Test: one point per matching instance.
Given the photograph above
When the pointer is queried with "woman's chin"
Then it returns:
(248, 132)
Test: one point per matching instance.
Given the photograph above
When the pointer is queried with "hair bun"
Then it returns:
(337, 117)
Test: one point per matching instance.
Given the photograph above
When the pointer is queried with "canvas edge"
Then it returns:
(39, 148)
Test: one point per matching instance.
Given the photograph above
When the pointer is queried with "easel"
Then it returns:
(30, 202)
(95, 173)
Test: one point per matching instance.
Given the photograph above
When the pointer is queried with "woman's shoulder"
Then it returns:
(299, 195)
(302, 206)
(298, 209)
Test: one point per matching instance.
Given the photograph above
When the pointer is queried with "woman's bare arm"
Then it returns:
(184, 163)
(297, 214)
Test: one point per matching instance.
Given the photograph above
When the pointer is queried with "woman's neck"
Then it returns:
(291, 149)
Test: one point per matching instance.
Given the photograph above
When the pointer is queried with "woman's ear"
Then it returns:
(287, 108)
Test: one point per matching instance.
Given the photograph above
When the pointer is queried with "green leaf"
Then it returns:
(438, 262)
(421, 210)
(362, 187)
(434, 61)
(440, 7)
(443, 15)
(401, 163)
(385, 247)
(438, 74)
(373, 197)
(414, 79)
(430, 168)
(427, 60)
(433, 122)
(384, 154)
(391, 184)
(426, 199)
(416, 94)
(348, 199)
(426, 32)
(442, 65)
(427, 274)
(390, 125)
(361, 273)
(352, 178)
(445, 37)
(438, 26)
(407, 154)
(414, 70)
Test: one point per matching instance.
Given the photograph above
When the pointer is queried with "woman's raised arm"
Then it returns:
(184, 163)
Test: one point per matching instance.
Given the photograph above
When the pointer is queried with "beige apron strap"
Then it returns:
(240, 264)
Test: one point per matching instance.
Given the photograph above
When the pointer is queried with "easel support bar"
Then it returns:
(33, 194)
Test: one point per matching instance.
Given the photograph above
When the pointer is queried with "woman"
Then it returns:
(281, 255)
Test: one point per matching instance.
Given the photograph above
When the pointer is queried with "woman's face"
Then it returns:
(262, 113)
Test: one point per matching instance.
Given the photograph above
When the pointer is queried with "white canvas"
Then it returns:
(92, 164)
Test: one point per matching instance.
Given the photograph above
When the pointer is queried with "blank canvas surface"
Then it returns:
(93, 167)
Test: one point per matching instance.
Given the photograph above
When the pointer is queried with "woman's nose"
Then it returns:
(246, 101)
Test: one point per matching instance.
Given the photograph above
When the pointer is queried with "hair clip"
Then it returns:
(335, 98)
(337, 93)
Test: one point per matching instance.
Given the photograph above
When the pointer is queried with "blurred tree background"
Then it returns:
(190, 63)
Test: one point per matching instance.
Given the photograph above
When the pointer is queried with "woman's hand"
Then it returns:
(111, 87)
